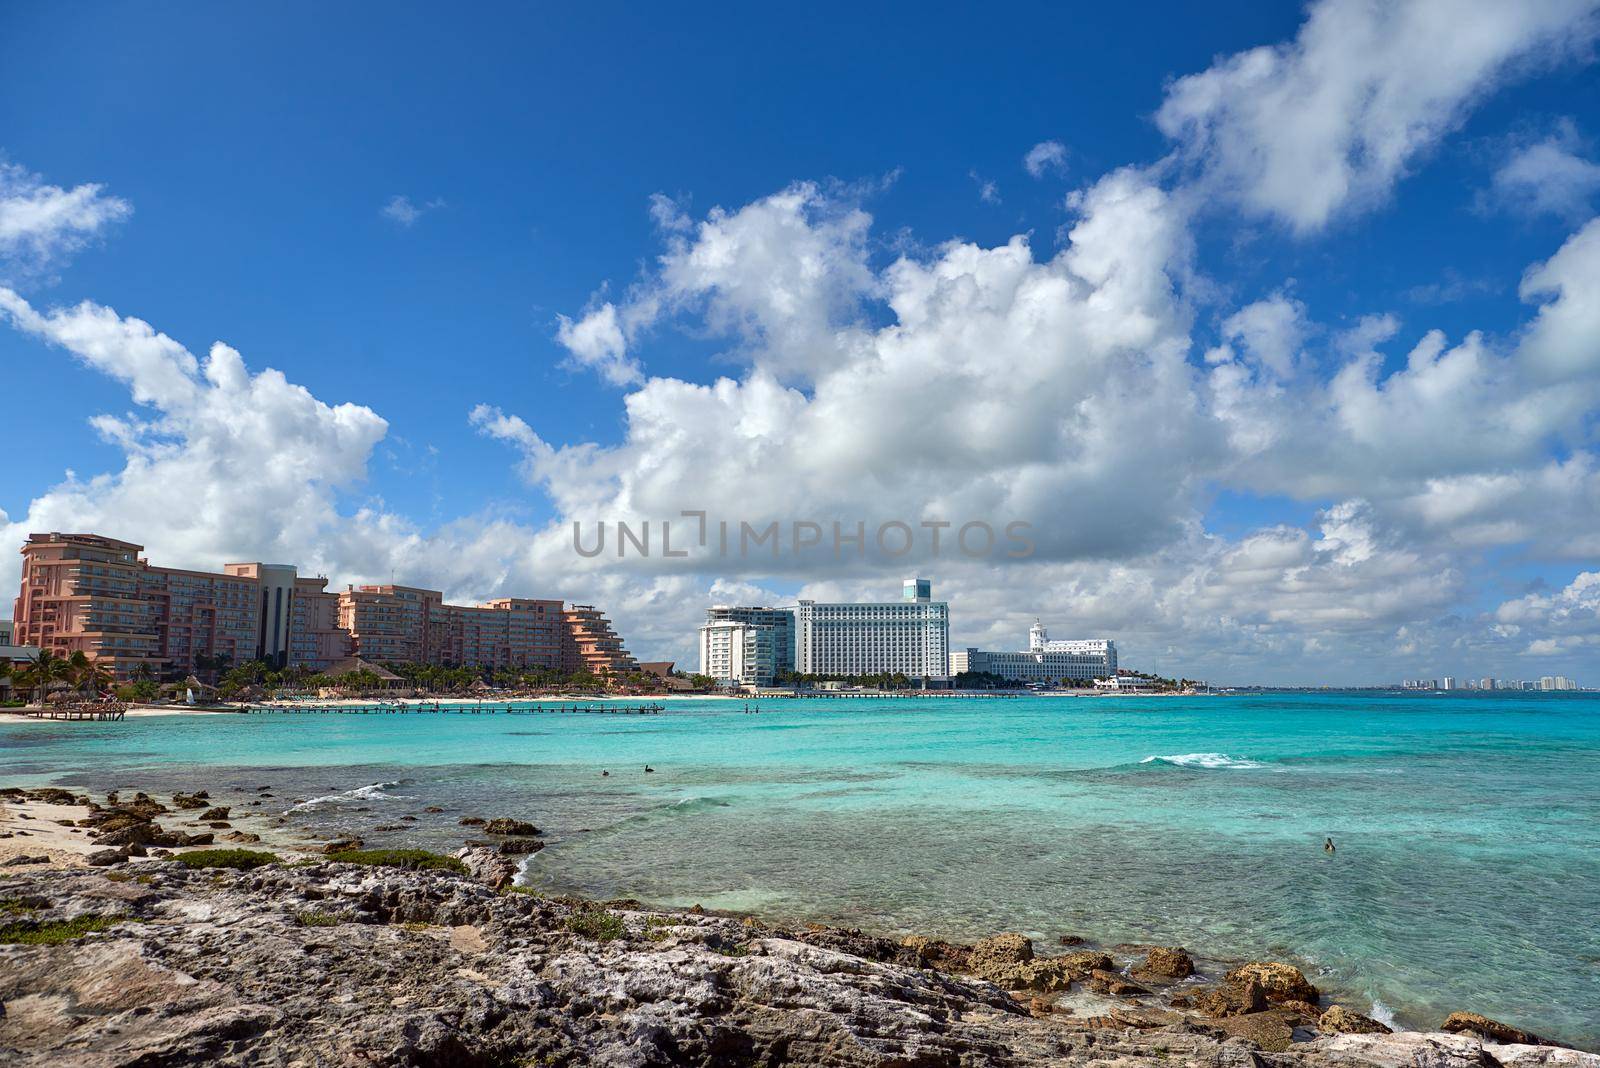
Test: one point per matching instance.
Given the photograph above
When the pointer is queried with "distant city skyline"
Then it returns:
(1281, 356)
(1489, 683)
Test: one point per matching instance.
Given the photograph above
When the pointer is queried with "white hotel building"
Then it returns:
(738, 651)
(1044, 661)
(910, 636)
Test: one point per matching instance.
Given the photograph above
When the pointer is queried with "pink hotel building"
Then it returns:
(98, 595)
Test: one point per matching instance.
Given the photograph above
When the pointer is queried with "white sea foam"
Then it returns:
(370, 792)
(700, 801)
(1383, 1014)
(1203, 760)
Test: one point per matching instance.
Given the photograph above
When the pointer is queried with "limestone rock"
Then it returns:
(1434, 1049)
(431, 968)
(1279, 982)
(506, 825)
(1007, 961)
(1165, 962)
(1102, 981)
(488, 866)
(1269, 1030)
(1339, 1020)
(1230, 998)
(143, 805)
(857, 943)
(1311, 1013)
(1000, 952)
(937, 953)
(1492, 1030)
(127, 830)
(520, 846)
(1083, 962)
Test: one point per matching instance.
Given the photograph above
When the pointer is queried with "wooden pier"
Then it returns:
(105, 714)
(496, 708)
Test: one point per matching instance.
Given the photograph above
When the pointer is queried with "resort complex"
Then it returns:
(750, 646)
(908, 637)
(1044, 661)
(754, 646)
(97, 595)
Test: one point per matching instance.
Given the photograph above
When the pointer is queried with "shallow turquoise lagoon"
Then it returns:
(1468, 826)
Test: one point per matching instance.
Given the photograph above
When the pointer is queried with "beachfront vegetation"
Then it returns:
(240, 859)
(87, 676)
(981, 680)
(256, 678)
(887, 680)
(597, 923)
(313, 918)
(138, 691)
(47, 672)
(41, 673)
(411, 859)
(54, 932)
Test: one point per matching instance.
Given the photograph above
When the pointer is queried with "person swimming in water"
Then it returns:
(604, 774)
(1327, 845)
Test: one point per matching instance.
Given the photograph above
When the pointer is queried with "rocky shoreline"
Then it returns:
(229, 958)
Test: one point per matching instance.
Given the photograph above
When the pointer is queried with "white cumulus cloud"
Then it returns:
(1304, 130)
(219, 460)
(1044, 158)
(1549, 176)
(41, 223)
(404, 211)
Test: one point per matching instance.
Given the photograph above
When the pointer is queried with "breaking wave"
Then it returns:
(370, 792)
(1203, 760)
(695, 802)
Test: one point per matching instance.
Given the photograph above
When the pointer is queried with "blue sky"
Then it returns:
(255, 152)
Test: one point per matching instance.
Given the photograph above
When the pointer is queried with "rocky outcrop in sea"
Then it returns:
(328, 963)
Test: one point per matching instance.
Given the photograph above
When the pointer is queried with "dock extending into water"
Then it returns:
(77, 713)
(486, 708)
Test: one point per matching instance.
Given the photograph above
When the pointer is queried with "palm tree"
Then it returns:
(87, 674)
(45, 668)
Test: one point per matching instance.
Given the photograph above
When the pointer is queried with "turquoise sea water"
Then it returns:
(1468, 826)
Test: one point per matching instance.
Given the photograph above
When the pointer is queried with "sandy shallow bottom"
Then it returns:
(46, 833)
(36, 830)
